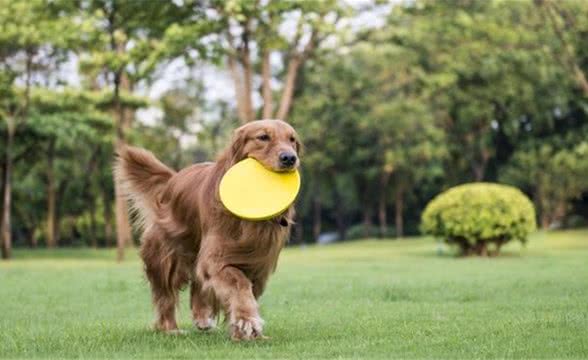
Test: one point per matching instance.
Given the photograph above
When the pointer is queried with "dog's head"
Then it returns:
(273, 143)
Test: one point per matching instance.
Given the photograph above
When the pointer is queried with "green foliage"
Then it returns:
(554, 170)
(485, 66)
(124, 37)
(33, 38)
(474, 216)
(371, 124)
(61, 126)
(441, 94)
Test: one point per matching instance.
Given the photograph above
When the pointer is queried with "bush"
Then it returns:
(480, 217)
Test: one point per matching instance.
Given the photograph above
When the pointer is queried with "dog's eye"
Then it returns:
(264, 137)
(292, 139)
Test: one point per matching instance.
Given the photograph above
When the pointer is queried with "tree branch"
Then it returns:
(266, 74)
(568, 52)
(24, 111)
(247, 71)
(294, 64)
(234, 69)
(289, 84)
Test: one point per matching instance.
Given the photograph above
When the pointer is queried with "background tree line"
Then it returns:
(440, 93)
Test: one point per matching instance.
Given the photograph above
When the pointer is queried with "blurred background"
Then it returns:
(395, 102)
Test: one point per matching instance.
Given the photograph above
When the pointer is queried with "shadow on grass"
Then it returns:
(189, 338)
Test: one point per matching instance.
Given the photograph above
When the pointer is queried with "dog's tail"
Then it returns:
(142, 178)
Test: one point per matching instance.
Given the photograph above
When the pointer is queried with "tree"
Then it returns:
(486, 69)
(554, 171)
(409, 144)
(63, 119)
(31, 36)
(247, 35)
(369, 127)
(124, 45)
(567, 20)
(328, 119)
(410, 151)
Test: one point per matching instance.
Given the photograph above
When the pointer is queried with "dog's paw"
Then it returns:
(167, 327)
(249, 328)
(205, 323)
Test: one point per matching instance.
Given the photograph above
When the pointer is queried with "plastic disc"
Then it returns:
(252, 192)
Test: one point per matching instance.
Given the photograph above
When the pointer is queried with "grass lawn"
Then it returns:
(365, 299)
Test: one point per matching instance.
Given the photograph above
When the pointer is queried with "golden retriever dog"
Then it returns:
(190, 238)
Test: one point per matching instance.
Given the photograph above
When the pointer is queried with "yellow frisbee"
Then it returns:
(252, 192)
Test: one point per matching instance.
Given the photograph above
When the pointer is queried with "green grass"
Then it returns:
(366, 299)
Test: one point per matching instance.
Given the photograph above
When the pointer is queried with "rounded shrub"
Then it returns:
(479, 217)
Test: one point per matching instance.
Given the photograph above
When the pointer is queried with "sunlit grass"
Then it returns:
(353, 300)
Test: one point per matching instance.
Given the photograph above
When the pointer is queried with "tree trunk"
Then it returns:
(266, 73)
(32, 238)
(5, 226)
(560, 212)
(540, 203)
(399, 211)
(382, 217)
(128, 115)
(341, 225)
(123, 227)
(367, 220)
(242, 82)
(382, 202)
(316, 212)
(339, 211)
(296, 61)
(289, 85)
(481, 249)
(60, 194)
(11, 124)
(479, 168)
(545, 220)
(247, 81)
(478, 171)
(107, 203)
(51, 215)
(51, 197)
(239, 92)
(93, 237)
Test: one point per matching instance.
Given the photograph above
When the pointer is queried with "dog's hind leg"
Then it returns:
(164, 274)
(204, 312)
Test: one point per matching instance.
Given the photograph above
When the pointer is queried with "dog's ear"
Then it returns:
(299, 147)
(238, 144)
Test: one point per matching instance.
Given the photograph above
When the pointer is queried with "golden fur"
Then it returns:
(190, 238)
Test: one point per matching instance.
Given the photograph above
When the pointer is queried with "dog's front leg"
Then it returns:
(234, 290)
(203, 312)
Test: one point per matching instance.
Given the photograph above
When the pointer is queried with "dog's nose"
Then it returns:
(287, 159)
